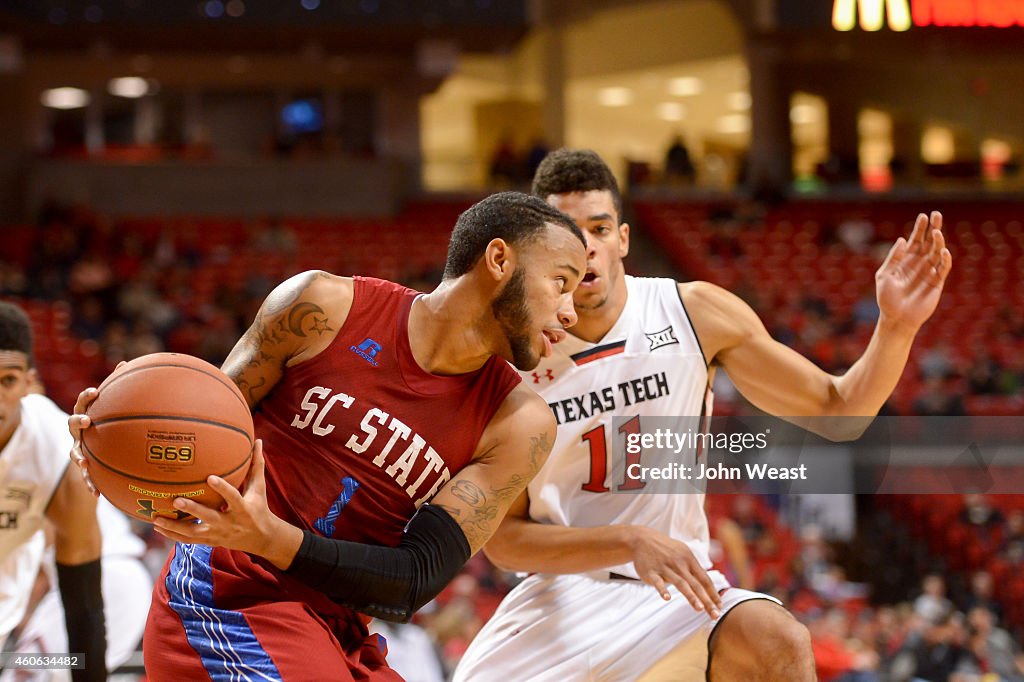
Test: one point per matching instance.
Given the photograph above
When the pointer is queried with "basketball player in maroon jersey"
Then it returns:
(397, 436)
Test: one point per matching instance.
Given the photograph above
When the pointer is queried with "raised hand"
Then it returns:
(909, 283)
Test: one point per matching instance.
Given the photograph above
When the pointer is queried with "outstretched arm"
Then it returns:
(782, 382)
(389, 583)
(72, 511)
(522, 544)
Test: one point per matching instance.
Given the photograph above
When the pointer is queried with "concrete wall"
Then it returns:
(333, 187)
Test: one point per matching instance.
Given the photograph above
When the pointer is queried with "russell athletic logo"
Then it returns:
(367, 350)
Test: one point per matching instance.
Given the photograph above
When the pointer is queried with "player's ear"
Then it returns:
(623, 240)
(499, 259)
(33, 382)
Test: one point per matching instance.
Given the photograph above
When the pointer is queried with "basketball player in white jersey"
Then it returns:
(127, 590)
(36, 484)
(622, 587)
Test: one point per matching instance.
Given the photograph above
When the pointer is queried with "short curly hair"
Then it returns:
(513, 216)
(15, 330)
(575, 170)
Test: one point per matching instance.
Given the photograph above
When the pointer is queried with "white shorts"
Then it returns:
(127, 590)
(590, 627)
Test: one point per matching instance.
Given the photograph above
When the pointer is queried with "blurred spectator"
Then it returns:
(993, 649)
(506, 166)
(89, 319)
(456, 622)
(983, 374)
(90, 275)
(411, 653)
(982, 594)
(932, 605)
(678, 166)
(539, 148)
(839, 658)
(142, 341)
(728, 536)
(939, 398)
(140, 299)
(1013, 544)
(1010, 380)
(815, 556)
(986, 522)
(865, 310)
(934, 654)
(273, 236)
(856, 233)
(937, 362)
(12, 279)
(744, 513)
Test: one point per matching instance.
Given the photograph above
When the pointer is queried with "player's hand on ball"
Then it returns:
(909, 283)
(244, 522)
(76, 423)
(661, 561)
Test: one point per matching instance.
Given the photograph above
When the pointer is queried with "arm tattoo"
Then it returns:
(299, 313)
(278, 320)
(320, 326)
(246, 387)
(478, 526)
(469, 493)
(540, 446)
(510, 490)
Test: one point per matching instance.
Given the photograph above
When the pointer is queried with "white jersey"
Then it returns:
(31, 467)
(650, 363)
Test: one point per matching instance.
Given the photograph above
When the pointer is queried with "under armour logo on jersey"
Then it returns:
(666, 337)
(367, 350)
(547, 375)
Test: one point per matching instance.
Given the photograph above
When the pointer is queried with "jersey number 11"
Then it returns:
(595, 439)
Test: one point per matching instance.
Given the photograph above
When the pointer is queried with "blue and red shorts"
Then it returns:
(219, 615)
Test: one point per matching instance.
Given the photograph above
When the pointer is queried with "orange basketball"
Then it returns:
(161, 424)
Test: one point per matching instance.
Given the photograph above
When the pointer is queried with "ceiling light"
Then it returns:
(803, 113)
(685, 86)
(64, 98)
(131, 86)
(214, 9)
(739, 101)
(733, 124)
(671, 111)
(615, 97)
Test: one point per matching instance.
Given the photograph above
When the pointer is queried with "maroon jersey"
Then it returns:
(357, 438)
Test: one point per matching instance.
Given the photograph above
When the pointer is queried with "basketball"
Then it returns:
(161, 424)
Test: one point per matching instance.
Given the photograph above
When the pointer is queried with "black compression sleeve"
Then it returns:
(83, 613)
(384, 582)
